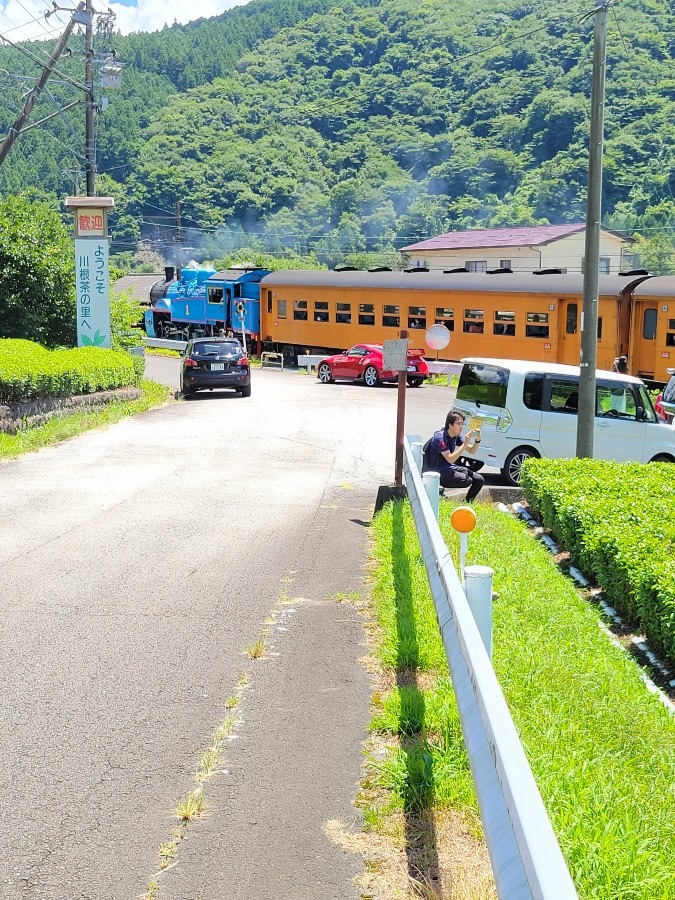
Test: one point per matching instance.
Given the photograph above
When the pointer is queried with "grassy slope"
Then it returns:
(601, 747)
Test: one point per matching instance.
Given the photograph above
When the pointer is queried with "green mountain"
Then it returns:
(347, 129)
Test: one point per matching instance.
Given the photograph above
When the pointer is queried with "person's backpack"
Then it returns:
(426, 462)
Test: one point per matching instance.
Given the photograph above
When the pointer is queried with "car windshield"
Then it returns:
(483, 384)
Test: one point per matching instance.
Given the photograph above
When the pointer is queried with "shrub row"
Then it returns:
(618, 522)
(29, 371)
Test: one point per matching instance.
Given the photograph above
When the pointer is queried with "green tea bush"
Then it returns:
(29, 371)
(618, 522)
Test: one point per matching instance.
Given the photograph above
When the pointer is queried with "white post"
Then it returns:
(478, 589)
(463, 547)
(432, 483)
(416, 447)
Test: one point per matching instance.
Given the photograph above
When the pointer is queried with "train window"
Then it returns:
(670, 339)
(505, 322)
(671, 324)
(215, 295)
(281, 309)
(344, 314)
(300, 310)
(532, 390)
(320, 311)
(390, 316)
(269, 302)
(507, 328)
(366, 314)
(476, 265)
(417, 317)
(442, 313)
(473, 323)
(649, 324)
(537, 325)
(572, 318)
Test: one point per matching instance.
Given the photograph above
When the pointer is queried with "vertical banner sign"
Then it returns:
(93, 294)
(92, 281)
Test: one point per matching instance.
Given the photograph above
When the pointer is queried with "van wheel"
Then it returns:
(513, 467)
(662, 457)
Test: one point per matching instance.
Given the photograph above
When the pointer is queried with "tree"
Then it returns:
(37, 274)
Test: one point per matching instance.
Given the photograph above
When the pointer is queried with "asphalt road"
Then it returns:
(138, 562)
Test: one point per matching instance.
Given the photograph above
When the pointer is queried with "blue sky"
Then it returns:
(22, 20)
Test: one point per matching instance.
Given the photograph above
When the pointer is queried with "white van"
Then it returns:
(529, 409)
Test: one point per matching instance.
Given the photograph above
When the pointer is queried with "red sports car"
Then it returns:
(365, 362)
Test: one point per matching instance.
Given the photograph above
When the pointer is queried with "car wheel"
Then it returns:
(187, 393)
(325, 374)
(513, 467)
(370, 377)
(415, 381)
(245, 391)
(662, 457)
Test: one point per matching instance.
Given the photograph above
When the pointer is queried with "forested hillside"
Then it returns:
(360, 127)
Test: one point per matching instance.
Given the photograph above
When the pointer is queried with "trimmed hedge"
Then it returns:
(618, 522)
(28, 371)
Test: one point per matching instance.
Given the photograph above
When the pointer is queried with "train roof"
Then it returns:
(235, 273)
(516, 283)
(658, 286)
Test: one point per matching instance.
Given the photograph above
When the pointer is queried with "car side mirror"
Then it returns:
(640, 414)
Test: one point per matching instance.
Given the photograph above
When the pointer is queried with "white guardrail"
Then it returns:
(527, 862)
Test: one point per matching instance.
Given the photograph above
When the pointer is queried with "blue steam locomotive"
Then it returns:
(203, 301)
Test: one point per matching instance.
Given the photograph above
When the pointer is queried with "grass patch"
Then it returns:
(257, 649)
(161, 351)
(190, 807)
(597, 740)
(62, 427)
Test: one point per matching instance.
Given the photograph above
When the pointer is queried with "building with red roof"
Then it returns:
(521, 249)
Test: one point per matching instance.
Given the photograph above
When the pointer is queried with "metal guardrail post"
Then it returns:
(432, 483)
(416, 447)
(526, 860)
(478, 587)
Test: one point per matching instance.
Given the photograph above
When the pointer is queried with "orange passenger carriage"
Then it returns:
(517, 316)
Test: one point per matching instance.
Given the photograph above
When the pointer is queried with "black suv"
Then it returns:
(215, 363)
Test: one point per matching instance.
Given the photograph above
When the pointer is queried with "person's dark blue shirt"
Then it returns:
(441, 442)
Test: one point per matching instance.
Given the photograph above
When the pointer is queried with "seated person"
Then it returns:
(572, 402)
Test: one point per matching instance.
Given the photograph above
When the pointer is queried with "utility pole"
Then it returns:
(32, 97)
(589, 319)
(89, 150)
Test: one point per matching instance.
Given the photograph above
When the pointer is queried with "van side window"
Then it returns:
(615, 401)
(532, 390)
(564, 396)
